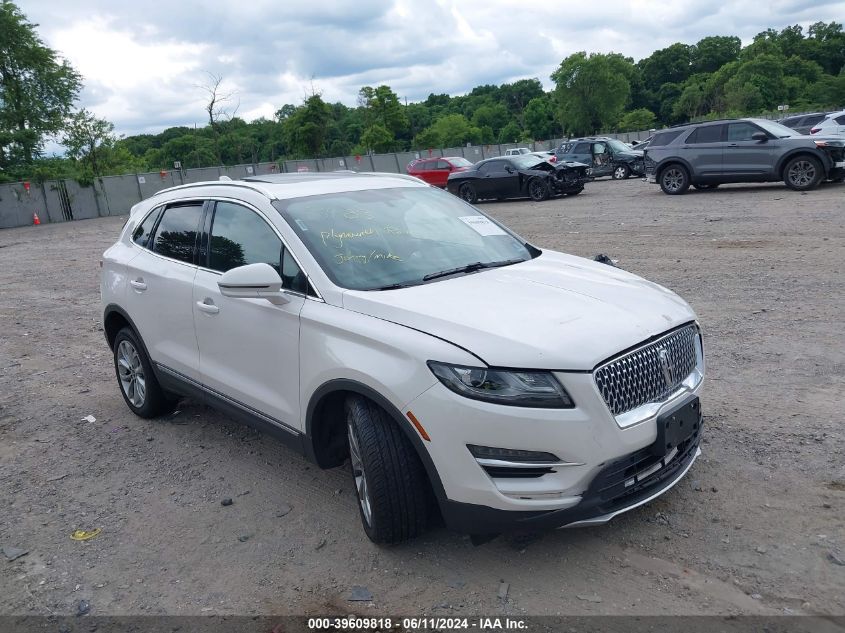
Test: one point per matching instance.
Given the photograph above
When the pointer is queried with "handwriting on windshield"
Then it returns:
(372, 256)
(336, 238)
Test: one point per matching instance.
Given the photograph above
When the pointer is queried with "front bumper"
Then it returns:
(593, 510)
(588, 440)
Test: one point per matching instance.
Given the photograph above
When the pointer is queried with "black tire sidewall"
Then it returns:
(473, 194)
(156, 400)
(385, 471)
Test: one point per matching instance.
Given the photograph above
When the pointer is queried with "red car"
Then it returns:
(435, 171)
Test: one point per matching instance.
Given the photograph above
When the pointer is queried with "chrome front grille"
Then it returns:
(649, 373)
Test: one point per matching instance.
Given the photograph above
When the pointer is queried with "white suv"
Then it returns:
(831, 124)
(462, 371)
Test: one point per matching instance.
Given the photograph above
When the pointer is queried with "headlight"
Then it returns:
(537, 389)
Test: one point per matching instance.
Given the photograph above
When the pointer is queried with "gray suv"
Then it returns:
(708, 154)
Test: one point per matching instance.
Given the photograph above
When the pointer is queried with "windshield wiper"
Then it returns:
(395, 286)
(471, 268)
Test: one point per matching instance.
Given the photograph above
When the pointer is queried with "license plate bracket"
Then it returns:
(676, 426)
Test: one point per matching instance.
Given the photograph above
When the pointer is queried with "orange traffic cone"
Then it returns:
(35, 219)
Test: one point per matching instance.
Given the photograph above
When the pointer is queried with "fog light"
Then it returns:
(511, 454)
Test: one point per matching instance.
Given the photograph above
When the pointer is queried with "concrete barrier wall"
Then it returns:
(115, 195)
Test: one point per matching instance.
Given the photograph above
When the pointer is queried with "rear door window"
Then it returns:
(706, 134)
(664, 138)
(177, 230)
(581, 148)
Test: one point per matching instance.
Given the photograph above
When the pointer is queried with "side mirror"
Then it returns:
(760, 136)
(509, 170)
(253, 281)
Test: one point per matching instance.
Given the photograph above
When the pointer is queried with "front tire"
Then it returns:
(467, 193)
(390, 481)
(138, 384)
(538, 189)
(802, 173)
(621, 172)
(674, 180)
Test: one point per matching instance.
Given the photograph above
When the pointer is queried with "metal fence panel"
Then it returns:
(385, 163)
(53, 201)
(201, 174)
(334, 164)
(83, 201)
(120, 193)
(17, 205)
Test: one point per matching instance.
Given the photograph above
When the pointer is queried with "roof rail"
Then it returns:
(215, 183)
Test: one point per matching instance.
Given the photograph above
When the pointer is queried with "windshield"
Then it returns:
(526, 161)
(460, 162)
(618, 146)
(380, 238)
(776, 129)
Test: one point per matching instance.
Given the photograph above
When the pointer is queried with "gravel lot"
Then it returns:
(757, 527)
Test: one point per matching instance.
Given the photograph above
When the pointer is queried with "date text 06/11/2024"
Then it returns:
(413, 624)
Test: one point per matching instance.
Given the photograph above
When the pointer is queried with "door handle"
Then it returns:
(138, 284)
(733, 145)
(207, 306)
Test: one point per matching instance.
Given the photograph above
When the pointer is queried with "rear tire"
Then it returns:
(467, 193)
(136, 379)
(802, 173)
(538, 189)
(390, 480)
(674, 180)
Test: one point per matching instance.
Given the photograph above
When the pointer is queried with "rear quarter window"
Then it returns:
(664, 138)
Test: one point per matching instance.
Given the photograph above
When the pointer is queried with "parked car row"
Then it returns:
(705, 155)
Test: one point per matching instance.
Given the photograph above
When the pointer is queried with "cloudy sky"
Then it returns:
(144, 61)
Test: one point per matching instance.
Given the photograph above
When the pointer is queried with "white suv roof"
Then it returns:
(285, 186)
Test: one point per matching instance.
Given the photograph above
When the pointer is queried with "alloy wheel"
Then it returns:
(802, 173)
(673, 179)
(620, 172)
(361, 487)
(131, 374)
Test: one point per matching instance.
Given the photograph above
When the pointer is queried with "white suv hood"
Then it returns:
(553, 312)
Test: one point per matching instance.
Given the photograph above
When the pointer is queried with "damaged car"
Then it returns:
(606, 156)
(518, 177)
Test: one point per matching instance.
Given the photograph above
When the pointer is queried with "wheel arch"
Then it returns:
(674, 160)
(802, 151)
(324, 414)
(115, 318)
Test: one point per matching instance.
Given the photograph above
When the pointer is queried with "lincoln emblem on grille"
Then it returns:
(666, 365)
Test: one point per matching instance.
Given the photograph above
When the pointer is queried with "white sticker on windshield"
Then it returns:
(301, 224)
(482, 225)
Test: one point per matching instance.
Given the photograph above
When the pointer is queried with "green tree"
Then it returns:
(377, 138)
(448, 131)
(89, 140)
(591, 91)
(306, 129)
(711, 53)
(672, 64)
(511, 133)
(382, 108)
(37, 89)
(637, 120)
(494, 116)
(539, 118)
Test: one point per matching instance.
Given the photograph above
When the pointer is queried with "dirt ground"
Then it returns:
(757, 527)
